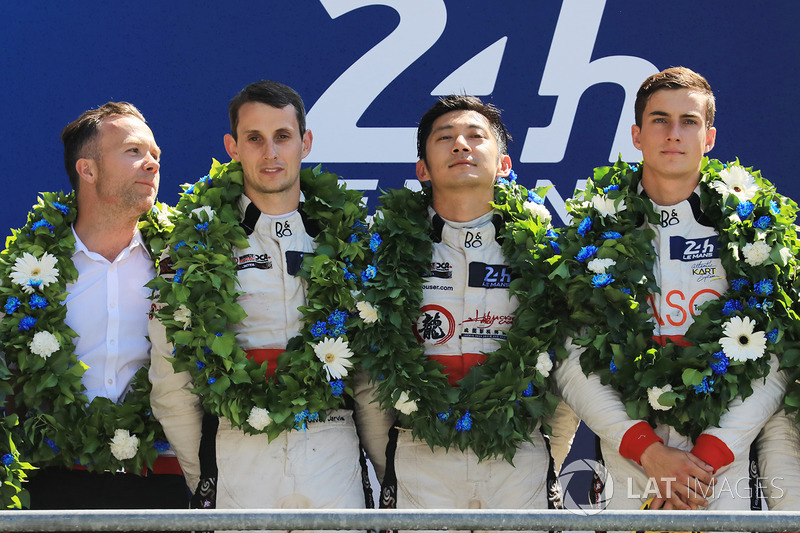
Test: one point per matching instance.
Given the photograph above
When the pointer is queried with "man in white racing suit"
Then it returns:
(674, 129)
(466, 310)
(318, 466)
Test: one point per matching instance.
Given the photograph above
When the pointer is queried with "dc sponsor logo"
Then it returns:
(435, 325)
(584, 474)
(688, 250)
(489, 276)
(259, 261)
(472, 240)
(441, 270)
(705, 271)
(669, 218)
(282, 229)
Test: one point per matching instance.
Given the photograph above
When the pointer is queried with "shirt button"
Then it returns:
(113, 305)
(110, 381)
(112, 342)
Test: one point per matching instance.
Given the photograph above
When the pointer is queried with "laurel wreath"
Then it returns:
(612, 312)
(204, 292)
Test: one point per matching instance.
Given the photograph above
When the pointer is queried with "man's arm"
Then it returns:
(174, 405)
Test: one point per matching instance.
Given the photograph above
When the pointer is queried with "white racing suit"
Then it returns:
(689, 272)
(317, 468)
(466, 309)
(778, 448)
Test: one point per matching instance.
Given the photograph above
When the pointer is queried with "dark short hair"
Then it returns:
(80, 135)
(272, 93)
(671, 79)
(461, 102)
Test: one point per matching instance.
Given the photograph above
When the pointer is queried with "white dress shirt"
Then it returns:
(108, 308)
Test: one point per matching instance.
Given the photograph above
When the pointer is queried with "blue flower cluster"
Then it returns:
(303, 417)
(201, 227)
(12, 304)
(38, 302)
(161, 446)
(52, 445)
(464, 423)
(739, 284)
(765, 287)
(585, 226)
(61, 207)
(42, 224)
(774, 207)
(8, 459)
(763, 222)
(444, 417)
(528, 392)
(772, 336)
(720, 366)
(178, 275)
(200, 365)
(732, 306)
(535, 198)
(334, 326)
(601, 280)
(374, 242)
(552, 235)
(745, 209)
(614, 235)
(586, 252)
(337, 387)
(27, 323)
(706, 386)
(612, 367)
(369, 273)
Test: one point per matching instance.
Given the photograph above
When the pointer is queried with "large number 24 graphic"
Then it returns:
(568, 73)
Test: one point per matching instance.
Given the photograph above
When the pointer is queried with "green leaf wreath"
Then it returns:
(59, 426)
(200, 302)
(499, 403)
(607, 260)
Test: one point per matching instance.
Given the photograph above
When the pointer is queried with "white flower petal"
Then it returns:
(204, 209)
(184, 316)
(335, 355)
(544, 364)
(741, 343)
(367, 312)
(654, 393)
(124, 445)
(736, 181)
(405, 405)
(755, 253)
(31, 273)
(44, 344)
(599, 266)
(538, 210)
(259, 418)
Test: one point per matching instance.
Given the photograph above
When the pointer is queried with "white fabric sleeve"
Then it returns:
(174, 405)
(742, 421)
(598, 405)
(563, 424)
(778, 447)
(372, 423)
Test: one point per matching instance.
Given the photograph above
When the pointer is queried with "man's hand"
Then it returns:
(682, 479)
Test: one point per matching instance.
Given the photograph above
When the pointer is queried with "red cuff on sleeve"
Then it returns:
(713, 451)
(636, 440)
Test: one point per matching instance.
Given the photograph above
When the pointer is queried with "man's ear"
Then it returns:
(230, 146)
(504, 166)
(422, 171)
(308, 138)
(87, 170)
(635, 132)
(711, 138)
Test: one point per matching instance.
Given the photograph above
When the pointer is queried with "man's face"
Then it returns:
(673, 137)
(462, 153)
(270, 148)
(128, 167)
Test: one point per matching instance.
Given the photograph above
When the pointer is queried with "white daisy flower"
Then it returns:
(204, 209)
(162, 215)
(538, 210)
(741, 343)
(599, 266)
(335, 355)
(544, 364)
(405, 405)
(736, 181)
(755, 253)
(31, 273)
(654, 393)
(184, 316)
(259, 418)
(44, 344)
(367, 312)
(605, 206)
(124, 445)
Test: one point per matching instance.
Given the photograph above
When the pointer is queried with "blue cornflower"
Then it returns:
(720, 366)
(774, 207)
(200, 365)
(349, 275)
(551, 234)
(61, 207)
(211, 381)
(772, 336)
(752, 302)
(337, 317)
(732, 306)
(765, 287)
(178, 275)
(42, 224)
(464, 423)
(512, 177)
(586, 252)
(444, 417)
(528, 392)
(313, 417)
(626, 290)
(8, 459)
(745, 209)
(201, 227)
(554, 245)
(763, 222)
(38, 302)
(611, 235)
(601, 280)
(337, 387)
(612, 367)
(27, 323)
(610, 188)
(319, 329)
(302, 415)
(369, 273)
(338, 330)
(353, 238)
(357, 225)
(375, 241)
(502, 181)
(535, 198)
(179, 245)
(207, 350)
(705, 387)
(739, 284)
(12, 304)
(34, 283)
(52, 445)
(161, 446)
(634, 168)
(584, 226)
